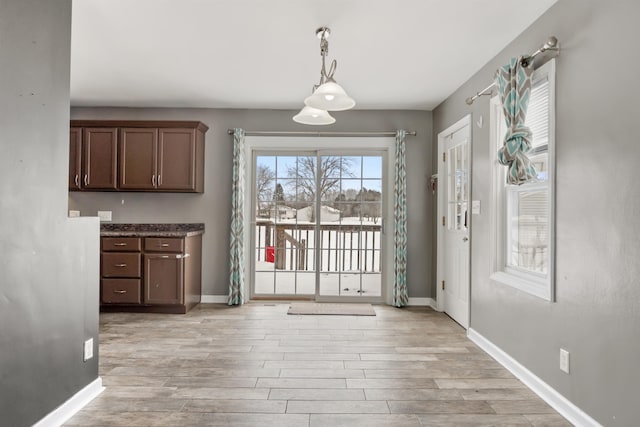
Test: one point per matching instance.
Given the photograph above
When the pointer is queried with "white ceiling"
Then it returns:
(400, 54)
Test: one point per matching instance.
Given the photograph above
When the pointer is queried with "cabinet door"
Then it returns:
(99, 166)
(177, 159)
(163, 279)
(137, 158)
(75, 158)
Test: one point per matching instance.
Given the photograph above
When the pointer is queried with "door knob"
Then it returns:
(465, 238)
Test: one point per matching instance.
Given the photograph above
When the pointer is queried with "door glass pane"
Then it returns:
(286, 283)
(341, 240)
(354, 246)
(457, 187)
(372, 167)
(264, 282)
(371, 285)
(330, 284)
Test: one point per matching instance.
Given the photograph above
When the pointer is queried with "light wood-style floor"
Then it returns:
(257, 366)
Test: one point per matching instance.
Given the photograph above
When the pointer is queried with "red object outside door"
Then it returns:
(271, 254)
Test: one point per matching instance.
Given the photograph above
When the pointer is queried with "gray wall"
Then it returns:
(214, 206)
(48, 263)
(596, 316)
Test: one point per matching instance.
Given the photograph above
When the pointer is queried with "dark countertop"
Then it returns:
(151, 230)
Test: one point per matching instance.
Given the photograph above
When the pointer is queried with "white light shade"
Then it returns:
(313, 116)
(331, 97)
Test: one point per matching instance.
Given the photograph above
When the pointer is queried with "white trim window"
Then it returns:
(523, 215)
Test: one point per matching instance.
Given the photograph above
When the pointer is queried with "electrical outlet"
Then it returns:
(104, 215)
(74, 214)
(564, 360)
(88, 349)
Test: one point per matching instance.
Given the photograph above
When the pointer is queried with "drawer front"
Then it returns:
(121, 291)
(117, 264)
(160, 244)
(121, 244)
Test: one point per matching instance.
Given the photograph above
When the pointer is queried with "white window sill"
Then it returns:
(533, 286)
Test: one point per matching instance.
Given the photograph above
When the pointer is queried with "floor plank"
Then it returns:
(255, 365)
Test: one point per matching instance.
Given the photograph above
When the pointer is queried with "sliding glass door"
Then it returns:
(318, 225)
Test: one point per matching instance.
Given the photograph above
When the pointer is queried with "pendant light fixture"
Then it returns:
(327, 94)
(313, 116)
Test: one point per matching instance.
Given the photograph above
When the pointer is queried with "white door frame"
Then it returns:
(315, 143)
(465, 121)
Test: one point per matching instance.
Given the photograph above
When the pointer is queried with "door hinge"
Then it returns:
(443, 285)
(443, 220)
(444, 156)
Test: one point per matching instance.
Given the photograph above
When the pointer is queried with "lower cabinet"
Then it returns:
(163, 278)
(152, 274)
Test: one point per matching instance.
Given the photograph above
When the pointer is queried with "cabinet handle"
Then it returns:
(77, 181)
(86, 179)
(159, 179)
(182, 256)
(163, 245)
(119, 292)
(119, 244)
(153, 180)
(164, 256)
(120, 265)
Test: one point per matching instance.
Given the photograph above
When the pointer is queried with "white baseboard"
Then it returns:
(75, 403)
(429, 302)
(214, 299)
(222, 299)
(547, 393)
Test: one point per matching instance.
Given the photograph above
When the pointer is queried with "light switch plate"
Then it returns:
(74, 214)
(104, 215)
(88, 349)
(564, 360)
(475, 207)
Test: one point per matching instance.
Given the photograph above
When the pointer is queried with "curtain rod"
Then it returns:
(320, 133)
(551, 44)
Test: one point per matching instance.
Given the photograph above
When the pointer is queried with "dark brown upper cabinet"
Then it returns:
(75, 158)
(177, 159)
(92, 158)
(156, 156)
(138, 150)
(99, 151)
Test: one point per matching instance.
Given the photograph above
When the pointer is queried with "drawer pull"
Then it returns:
(119, 244)
(120, 265)
(163, 245)
(119, 292)
(164, 256)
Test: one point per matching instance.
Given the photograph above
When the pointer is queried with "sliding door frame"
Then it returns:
(344, 146)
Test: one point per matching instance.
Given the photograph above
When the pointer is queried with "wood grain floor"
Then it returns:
(257, 366)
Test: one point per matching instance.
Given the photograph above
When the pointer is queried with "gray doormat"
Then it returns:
(331, 309)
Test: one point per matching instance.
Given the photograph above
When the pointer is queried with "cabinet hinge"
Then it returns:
(443, 285)
(443, 220)
(444, 156)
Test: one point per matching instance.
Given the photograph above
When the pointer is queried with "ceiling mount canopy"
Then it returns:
(327, 95)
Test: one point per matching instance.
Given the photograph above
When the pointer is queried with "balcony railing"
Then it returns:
(342, 247)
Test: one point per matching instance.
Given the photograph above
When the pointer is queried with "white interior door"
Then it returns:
(453, 235)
